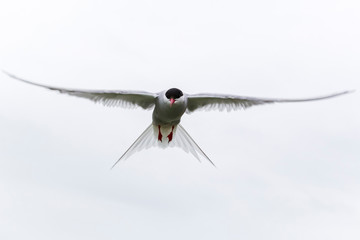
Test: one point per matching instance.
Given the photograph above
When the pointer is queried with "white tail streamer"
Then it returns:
(149, 138)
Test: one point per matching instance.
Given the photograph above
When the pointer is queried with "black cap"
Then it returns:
(173, 93)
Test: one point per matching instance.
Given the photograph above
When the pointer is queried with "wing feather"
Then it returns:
(118, 98)
(221, 102)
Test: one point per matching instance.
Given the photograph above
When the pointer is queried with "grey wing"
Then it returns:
(233, 102)
(120, 98)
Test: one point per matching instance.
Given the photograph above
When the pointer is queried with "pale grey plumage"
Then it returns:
(169, 106)
(222, 102)
(146, 100)
(118, 98)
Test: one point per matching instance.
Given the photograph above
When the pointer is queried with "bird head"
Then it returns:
(173, 94)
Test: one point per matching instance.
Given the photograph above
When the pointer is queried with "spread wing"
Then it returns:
(233, 102)
(120, 98)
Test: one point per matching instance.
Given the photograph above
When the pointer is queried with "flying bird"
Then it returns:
(168, 108)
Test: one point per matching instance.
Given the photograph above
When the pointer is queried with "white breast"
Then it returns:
(164, 114)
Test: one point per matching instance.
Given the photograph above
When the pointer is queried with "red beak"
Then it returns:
(172, 101)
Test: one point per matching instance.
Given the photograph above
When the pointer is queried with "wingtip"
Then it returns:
(112, 166)
(13, 76)
(116, 163)
(213, 164)
(343, 93)
(7, 73)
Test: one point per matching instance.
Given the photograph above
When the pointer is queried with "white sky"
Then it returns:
(286, 171)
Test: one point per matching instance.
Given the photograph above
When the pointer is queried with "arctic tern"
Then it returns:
(168, 108)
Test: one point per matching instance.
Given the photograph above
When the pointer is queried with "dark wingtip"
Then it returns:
(115, 163)
(15, 77)
(7, 73)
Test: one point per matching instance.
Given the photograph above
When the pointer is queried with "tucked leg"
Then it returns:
(170, 136)
(160, 135)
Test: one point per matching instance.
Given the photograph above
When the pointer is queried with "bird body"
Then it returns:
(168, 108)
(167, 113)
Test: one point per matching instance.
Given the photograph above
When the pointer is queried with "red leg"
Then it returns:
(160, 135)
(170, 136)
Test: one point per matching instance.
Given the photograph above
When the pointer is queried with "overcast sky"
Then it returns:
(285, 171)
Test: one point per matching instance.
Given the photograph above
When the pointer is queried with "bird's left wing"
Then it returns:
(120, 98)
(232, 102)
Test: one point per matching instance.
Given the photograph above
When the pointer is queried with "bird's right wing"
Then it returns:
(119, 98)
(232, 102)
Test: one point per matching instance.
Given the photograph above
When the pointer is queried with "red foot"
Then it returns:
(160, 135)
(170, 136)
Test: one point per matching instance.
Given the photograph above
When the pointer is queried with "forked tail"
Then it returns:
(149, 138)
(184, 141)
